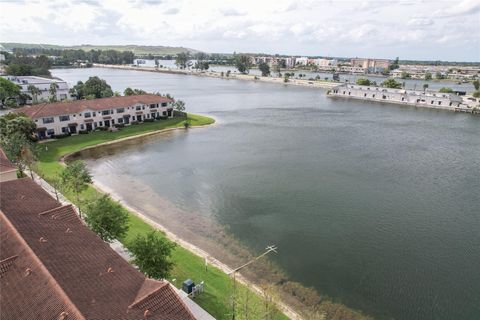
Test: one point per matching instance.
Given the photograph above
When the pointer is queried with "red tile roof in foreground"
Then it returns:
(5, 164)
(78, 106)
(53, 267)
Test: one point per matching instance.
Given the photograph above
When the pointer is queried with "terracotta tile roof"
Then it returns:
(5, 164)
(78, 106)
(83, 276)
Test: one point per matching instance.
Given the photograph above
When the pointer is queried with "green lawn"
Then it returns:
(218, 286)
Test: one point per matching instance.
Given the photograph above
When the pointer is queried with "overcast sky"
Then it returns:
(422, 29)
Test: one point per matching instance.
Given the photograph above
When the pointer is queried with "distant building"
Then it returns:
(418, 98)
(371, 65)
(86, 115)
(8, 171)
(302, 61)
(145, 63)
(53, 267)
(325, 63)
(43, 84)
(2, 57)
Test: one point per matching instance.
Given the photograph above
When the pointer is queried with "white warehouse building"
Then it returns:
(43, 85)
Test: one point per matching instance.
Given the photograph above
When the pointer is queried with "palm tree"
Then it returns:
(53, 92)
(34, 91)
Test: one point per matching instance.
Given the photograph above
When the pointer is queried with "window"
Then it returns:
(138, 108)
(105, 112)
(50, 132)
(164, 113)
(87, 114)
(82, 127)
(120, 110)
(153, 105)
(94, 113)
(65, 129)
(133, 118)
(164, 104)
(48, 120)
(100, 123)
(143, 107)
(64, 118)
(120, 120)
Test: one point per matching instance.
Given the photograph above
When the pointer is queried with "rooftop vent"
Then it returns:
(63, 315)
(110, 270)
(42, 239)
(68, 230)
(28, 272)
(147, 313)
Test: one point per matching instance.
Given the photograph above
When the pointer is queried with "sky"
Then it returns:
(422, 29)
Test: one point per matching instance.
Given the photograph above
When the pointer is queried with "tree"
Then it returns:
(405, 75)
(394, 65)
(21, 151)
(428, 76)
(391, 83)
(96, 87)
(425, 86)
(13, 123)
(439, 76)
(180, 105)
(364, 82)
(9, 91)
(34, 91)
(151, 253)
(264, 69)
(75, 177)
(445, 90)
(476, 94)
(53, 92)
(107, 218)
(181, 60)
(476, 84)
(243, 63)
(132, 92)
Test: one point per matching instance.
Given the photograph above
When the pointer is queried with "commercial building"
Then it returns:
(371, 65)
(43, 85)
(399, 96)
(86, 115)
(53, 267)
(325, 63)
(302, 61)
(149, 63)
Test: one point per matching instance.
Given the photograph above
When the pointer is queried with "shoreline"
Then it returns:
(235, 76)
(282, 306)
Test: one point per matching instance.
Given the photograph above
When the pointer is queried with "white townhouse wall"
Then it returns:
(87, 115)
(43, 84)
(408, 97)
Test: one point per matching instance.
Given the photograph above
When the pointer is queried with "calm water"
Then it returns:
(375, 205)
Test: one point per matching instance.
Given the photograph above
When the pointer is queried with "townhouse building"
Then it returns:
(71, 117)
(371, 65)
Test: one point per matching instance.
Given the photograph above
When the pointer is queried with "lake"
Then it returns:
(375, 205)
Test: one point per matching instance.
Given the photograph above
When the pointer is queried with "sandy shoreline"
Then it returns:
(236, 76)
(287, 310)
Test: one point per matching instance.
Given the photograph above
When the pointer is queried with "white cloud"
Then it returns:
(307, 27)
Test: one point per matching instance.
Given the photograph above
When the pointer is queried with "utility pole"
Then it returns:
(234, 272)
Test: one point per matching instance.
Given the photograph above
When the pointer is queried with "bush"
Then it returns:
(149, 120)
(60, 136)
(107, 218)
(101, 129)
(82, 132)
(162, 118)
(119, 125)
(134, 122)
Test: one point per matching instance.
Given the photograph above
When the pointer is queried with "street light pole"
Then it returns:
(234, 272)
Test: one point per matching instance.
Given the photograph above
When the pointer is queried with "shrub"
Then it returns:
(82, 132)
(134, 122)
(60, 136)
(119, 125)
(149, 120)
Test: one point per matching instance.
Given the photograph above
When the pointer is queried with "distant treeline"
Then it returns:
(67, 57)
